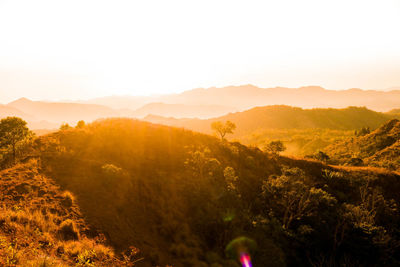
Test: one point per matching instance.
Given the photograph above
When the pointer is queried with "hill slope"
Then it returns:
(182, 197)
(62, 112)
(42, 226)
(285, 117)
(182, 110)
(379, 148)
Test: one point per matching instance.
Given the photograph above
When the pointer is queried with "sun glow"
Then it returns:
(77, 49)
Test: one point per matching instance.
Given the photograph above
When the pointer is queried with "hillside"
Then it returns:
(182, 110)
(379, 148)
(40, 225)
(249, 96)
(285, 117)
(55, 112)
(183, 198)
(6, 111)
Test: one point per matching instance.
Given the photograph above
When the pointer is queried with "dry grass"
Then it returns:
(40, 225)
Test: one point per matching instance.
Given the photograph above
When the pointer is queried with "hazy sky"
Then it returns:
(71, 49)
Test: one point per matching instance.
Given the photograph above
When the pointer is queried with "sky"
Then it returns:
(80, 49)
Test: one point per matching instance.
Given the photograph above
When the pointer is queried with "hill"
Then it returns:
(40, 225)
(6, 111)
(55, 112)
(182, 110)
(248, 96)
(188, 199)
(379, 148)
(285, 117)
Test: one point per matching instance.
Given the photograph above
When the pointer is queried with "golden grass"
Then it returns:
(37, 221)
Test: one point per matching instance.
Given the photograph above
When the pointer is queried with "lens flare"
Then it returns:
(245, 260)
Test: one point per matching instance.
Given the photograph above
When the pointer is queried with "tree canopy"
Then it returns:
(12, 131)
(275, 147)
(223, 128)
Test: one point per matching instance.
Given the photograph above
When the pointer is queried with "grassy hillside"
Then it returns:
(181, 197)
(40, 225)
(303, 131)
(379, 148)
(286, 117)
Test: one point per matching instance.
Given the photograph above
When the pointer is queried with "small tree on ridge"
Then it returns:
(223, 128)
(12, 131)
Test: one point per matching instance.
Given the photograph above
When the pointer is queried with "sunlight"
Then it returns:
(141, 48)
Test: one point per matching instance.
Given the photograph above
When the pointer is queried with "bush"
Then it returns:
(68, 231)
(68, 199)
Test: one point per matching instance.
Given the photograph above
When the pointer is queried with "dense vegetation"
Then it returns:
(303, 131)
(380, 148)
(298, 142)
(181, 197)
(286, 117)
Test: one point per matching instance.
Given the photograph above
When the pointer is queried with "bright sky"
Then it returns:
(76, 49)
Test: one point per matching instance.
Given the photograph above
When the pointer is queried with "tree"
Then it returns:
(322, 156)
(223, 129)
(275, 147)
(65, 126)
(80, 124)
(292, 198)
(201, 163)
(12, 131)
(230, 179)
(363, 131)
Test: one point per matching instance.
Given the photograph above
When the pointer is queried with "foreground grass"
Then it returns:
(42, 226)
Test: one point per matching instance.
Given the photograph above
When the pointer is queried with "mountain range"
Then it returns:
(196, 104)
(247, 96)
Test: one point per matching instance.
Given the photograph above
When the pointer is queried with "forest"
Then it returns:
(123, 192)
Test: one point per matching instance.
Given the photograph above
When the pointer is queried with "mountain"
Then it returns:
(249, 96)
(33, 122)
(285, 117)
(49, 115)
(188, 199)
(54, 112)
(182, 110)
(395, 111)
(6, 111)
(380, 148)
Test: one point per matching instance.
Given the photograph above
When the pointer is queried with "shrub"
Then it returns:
(68, 199)
(68, 231)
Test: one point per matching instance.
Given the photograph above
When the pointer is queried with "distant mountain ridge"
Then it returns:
(49, 115)
(197, 103)
(182, 110)
(249, 96)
